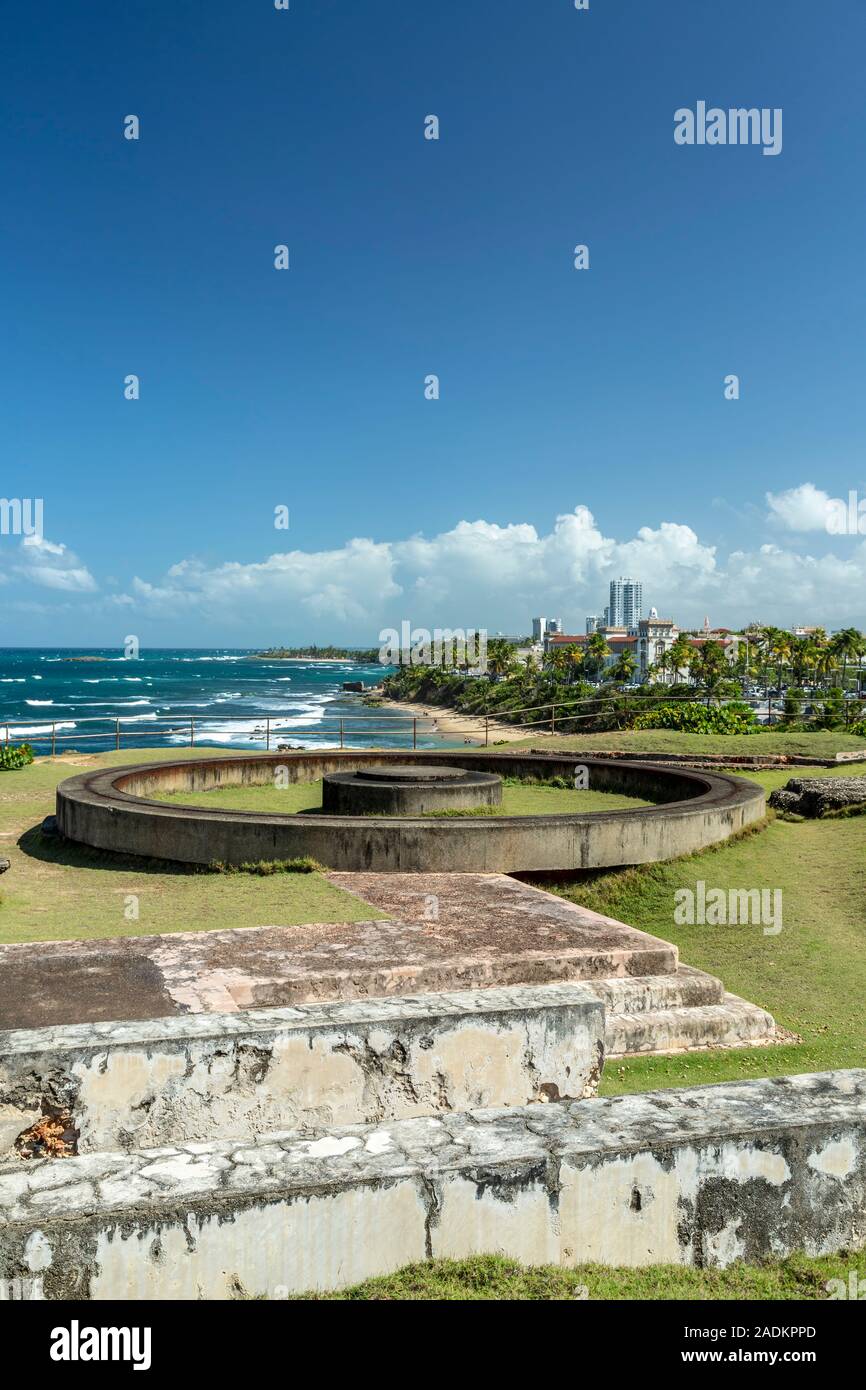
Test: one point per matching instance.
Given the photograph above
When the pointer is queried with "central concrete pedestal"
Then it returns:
(408, 791)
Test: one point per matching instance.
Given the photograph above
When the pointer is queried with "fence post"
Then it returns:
(53, 738)
(485, 730)
(414, 733)
(553, 719)
(341, 732)
(7, 735)
(267, 735)
(191, 732)
(117, 733)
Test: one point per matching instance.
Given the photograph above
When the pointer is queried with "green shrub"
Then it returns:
(11, 757)
(733, 718)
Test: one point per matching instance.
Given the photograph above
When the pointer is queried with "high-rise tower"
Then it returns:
(626, 602)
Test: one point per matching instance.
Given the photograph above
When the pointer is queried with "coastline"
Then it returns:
(464, 727)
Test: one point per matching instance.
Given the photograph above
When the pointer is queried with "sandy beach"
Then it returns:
(462, 728)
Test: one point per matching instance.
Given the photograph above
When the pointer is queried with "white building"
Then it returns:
(626, 603)
(655, 636)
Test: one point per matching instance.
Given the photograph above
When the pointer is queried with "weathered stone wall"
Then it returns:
(204, 1076)
(696, 1176)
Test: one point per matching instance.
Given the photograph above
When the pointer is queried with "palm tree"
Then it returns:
(859, 649)
(625, 667)
(597, 652)
(802, 659)
(711, 667)
(680, 654)
(576, 657)
(501, 660)
(659, 667)
(847, 645)
(782, 647)
(557, 662)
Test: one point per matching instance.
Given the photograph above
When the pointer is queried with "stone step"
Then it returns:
(687, 988)
(731, 1023)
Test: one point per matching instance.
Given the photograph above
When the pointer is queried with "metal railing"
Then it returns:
(273, 729)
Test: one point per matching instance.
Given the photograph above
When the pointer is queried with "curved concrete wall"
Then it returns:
(110, 811)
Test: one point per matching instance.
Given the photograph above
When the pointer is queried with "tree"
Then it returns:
(501, 659)
(625, 667)
(680, 654)
(847, 645)
(597, 652)
(710, 667)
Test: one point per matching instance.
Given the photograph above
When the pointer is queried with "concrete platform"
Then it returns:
(448, 932)
(702, 1176)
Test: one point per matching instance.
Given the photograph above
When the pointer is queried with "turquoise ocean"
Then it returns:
(225, 695)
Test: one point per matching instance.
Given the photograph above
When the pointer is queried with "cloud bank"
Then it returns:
(477, 574)
(480, 574)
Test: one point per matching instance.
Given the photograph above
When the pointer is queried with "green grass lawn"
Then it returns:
(811, 976)
(491, 1277)
(821, 744)
(521, 799)
(58, 891)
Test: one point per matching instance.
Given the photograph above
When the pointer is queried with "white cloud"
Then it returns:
(52, 566)
(481, 574)
(803, 508)
(475, 574)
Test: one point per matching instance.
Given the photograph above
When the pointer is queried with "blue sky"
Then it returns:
(600, 390)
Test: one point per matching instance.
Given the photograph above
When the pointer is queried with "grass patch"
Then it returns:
(492, 1277)
(265, 867)
(811, 977)
(821, 743)
(59, 891)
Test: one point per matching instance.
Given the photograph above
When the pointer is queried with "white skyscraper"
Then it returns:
(626, 601)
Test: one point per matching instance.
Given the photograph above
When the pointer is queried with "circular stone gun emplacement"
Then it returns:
(110, 809)
(408, 791)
